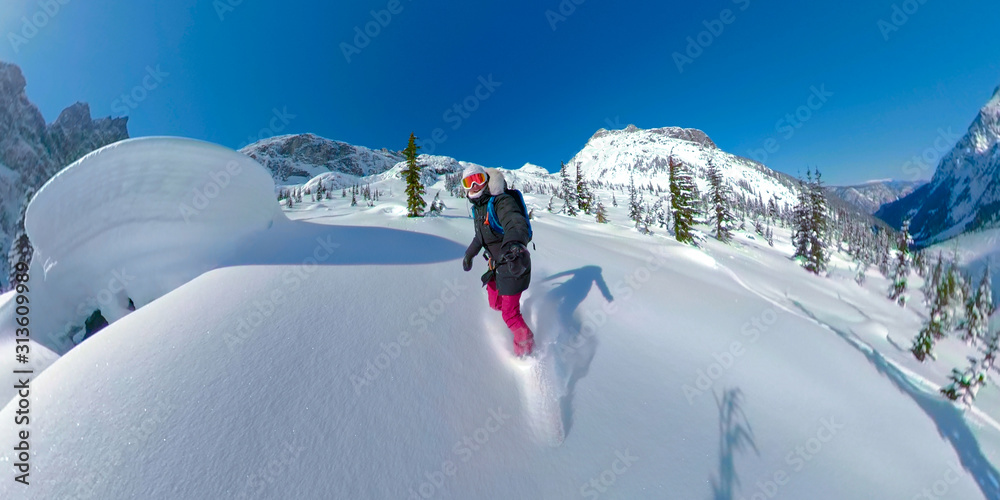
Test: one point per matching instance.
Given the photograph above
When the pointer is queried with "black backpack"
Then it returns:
(491, 212)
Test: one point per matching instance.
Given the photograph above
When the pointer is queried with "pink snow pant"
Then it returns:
(510, 308)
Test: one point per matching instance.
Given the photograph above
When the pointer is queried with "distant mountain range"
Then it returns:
(31, 152)
(610, 158)
(964, 194)
(870, 196)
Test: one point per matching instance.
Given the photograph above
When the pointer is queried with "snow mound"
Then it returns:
(133, 221)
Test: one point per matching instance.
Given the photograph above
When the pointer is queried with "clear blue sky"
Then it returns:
(607, 62)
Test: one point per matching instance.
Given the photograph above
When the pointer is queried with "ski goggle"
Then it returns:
(473, 180)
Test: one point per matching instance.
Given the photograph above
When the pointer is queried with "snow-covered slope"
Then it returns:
(344, 354)
(964, 194)
(870, 196)
(611, 156)
(130, 222)
(295, 159)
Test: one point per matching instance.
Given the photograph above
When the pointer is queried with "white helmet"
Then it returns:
(477, 177)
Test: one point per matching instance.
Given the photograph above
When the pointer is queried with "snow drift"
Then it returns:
(134, 220)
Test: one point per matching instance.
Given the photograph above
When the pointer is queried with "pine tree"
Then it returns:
(21, 250)
(988, 361)
(550, 208)
(354, 200)
(861, 273)
(721, 213)
(818, 256)
(634, 208)
(682, 198)
(600, 214)
(414, 188)
(965, 384)
(802, 220)
(614, 201)
(920, 264)
(952, 296)
(978, 309)
(901, 271)
(582, 193)
(923, 345)
(932, 282)
(936, 325)
(648, 219)
(437, 206)
(661, 216)
(567, 191)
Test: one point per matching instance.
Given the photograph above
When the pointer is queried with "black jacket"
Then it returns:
(512, 276)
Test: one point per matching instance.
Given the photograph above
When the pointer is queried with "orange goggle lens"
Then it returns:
(473, 180)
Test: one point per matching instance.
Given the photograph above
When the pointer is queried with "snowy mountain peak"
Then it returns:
(964, 194)
(301, 157)
(612, 157)
(684, 134)
(533, 169)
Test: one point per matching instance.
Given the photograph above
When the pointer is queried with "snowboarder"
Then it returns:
(504, 238)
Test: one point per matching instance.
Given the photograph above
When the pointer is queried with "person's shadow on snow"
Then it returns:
(575, 341)
(735, 437)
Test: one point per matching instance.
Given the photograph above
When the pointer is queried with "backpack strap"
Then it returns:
(491, 216)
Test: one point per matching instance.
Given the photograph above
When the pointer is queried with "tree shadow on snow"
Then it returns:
(735, 436)
(575, 345)
(296, 243)
(949, 419)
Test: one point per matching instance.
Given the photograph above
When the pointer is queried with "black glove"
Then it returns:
(470, 253)
(516, 260)
(511, 251)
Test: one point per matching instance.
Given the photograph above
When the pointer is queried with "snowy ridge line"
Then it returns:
(860, 344)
